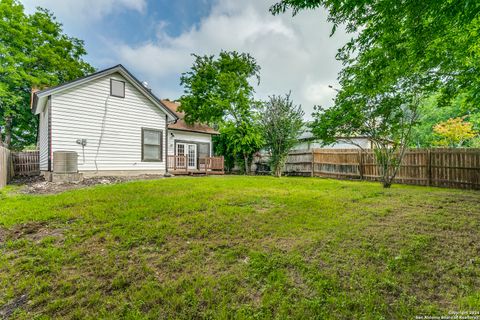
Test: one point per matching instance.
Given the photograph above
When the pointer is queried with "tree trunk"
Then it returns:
(247, 169)
(8, 131)
(278, 171)
(387, 184)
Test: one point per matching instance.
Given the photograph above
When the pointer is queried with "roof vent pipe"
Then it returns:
(145, 84)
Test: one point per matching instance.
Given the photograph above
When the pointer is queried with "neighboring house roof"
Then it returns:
(180, 124)
(307, 135)
(39, 98)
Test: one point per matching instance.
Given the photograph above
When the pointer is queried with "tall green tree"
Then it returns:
(400, 52)
(217, 91)
(433, 40)
(282, 123)
(34, 52)
(431, 113)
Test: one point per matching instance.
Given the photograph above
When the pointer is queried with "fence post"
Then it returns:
(360, 163)
(429, 167)
(313, 163)
(11, 168)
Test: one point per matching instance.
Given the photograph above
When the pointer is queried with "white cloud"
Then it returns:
(81, 11)
(295, 53)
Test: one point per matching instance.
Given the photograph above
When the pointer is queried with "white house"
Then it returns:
(116, 125)
(307, 141)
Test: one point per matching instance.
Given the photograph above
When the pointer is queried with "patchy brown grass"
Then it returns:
(250, 247)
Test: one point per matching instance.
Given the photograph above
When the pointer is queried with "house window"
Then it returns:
(151, 145)
(117, 88)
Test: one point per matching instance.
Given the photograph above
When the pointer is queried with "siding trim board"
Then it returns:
(194, 131)
(43, 138)
(166, 143)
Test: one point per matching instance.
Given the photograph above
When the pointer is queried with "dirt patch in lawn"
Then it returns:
(3, 235)
(38, 185)
(33, 231)
(7, 310)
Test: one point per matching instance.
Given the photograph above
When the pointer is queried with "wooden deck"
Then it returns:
(177, 165)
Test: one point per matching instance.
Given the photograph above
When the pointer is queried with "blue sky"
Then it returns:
(137, 27)
(155, 39)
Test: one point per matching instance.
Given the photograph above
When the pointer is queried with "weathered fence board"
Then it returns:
(26, 163)
(6, 168)
(455, 168)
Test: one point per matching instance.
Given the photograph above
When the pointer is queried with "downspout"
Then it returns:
(49, 135)
(166, 144)
(167, 174)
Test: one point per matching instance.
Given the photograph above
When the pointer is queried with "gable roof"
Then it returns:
(40, 97)
(180, 124)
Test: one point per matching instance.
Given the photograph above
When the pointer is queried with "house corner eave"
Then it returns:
(39, 103)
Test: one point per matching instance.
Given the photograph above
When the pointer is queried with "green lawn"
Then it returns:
(240, 247)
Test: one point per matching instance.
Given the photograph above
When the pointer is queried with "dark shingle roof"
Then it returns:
(181, 124)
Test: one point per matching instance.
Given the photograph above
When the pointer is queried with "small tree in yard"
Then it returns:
(281, 124)
(454, 132)
(386, 119)
(242, 141)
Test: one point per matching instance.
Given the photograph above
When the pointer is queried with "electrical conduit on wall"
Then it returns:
(102, 130)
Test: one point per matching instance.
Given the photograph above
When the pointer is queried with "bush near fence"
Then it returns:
(454, 168)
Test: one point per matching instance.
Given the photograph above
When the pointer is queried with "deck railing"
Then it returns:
(207, 165)
(177, 163)
(214, 164)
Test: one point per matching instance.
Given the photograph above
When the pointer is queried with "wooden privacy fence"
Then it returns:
(6, 167)
(26, 163)
(455, 168)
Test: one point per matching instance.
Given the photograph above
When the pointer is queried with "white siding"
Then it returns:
(43, 137)
(78, 114)
(351, 144)
(186, 136)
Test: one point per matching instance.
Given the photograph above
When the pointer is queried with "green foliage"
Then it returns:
(34, 52)
(432, 112)
(435, 43)
(282, 124)
(217, 91)
(239, 247)
(386, 119)
(454, 132)
(222, 146)
(242, 140)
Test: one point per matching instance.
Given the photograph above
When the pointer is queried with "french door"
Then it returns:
(189, 150)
